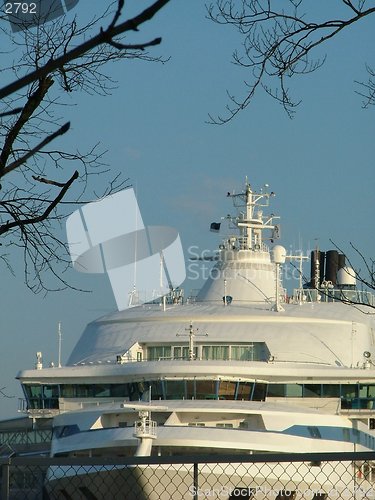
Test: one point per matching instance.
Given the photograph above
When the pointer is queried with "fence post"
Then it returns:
(5, 481)
(195, 480)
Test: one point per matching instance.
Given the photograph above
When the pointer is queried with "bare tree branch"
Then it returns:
(12, 166)
(277, 44)
(122, 46)
(48, 181)
(31, 105)
(3, 393)
(33, 199)
(11, 112)
(34, 220)
(367, 89)
(104, 36)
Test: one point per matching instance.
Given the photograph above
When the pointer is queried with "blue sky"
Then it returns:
(320, 164)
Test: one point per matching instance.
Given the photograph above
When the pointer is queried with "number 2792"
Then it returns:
(20, 7)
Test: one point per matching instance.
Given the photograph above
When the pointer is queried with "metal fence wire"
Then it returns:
(223, 477)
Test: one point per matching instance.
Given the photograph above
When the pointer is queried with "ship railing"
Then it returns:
(302, 295)
(243, 245)
(192, 298)
(22, 405)
(174, 358)
(360, 403)
(25, 437)
(152, 297)
(38, 407)
(145, 428)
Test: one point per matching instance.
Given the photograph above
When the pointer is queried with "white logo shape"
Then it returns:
(108, 236)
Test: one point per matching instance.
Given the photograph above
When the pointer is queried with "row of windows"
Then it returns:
(46, 396)
(344, 391)
(351, 395)
(256, 351)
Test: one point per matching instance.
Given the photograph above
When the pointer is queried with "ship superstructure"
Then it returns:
(294, 371)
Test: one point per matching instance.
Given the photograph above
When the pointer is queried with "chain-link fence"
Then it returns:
(224, 477)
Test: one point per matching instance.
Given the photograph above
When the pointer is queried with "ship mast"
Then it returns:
(250, 220)
(249, 215)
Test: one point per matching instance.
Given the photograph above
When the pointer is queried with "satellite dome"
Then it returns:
(346, 276)
(279, 254)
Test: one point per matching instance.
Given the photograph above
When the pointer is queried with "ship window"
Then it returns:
(259, 392)
(242, 353)
(206, 389)
(101, 391)
(346, 434)
(312, 391)
(156, 353)
(156, 389)
(33, 391)
(133, 393)
(349, 397)
(349, 391)
(245, 390)
(314, 432)
(293, 390)
(215, 352)
(67, 391)
(196, 424)
(84, 391)
(61, 431)
(138, 391)
(143, 387)
(50, 391)
(149, 389)
(93, 390)
(69, 430)
(256, 351)
(42, 396)
(190, 389)
(56, 430)
(367, 391)
(177, 352)
(225, 426)
(118, 390)
(175, 389)
(227, 390)
(182, 352)
(331, 391)
(42, 391)
(276, 390)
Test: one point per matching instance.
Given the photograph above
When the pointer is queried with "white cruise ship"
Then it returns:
(241, 368)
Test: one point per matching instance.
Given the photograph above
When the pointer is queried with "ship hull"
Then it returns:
(167, 481)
